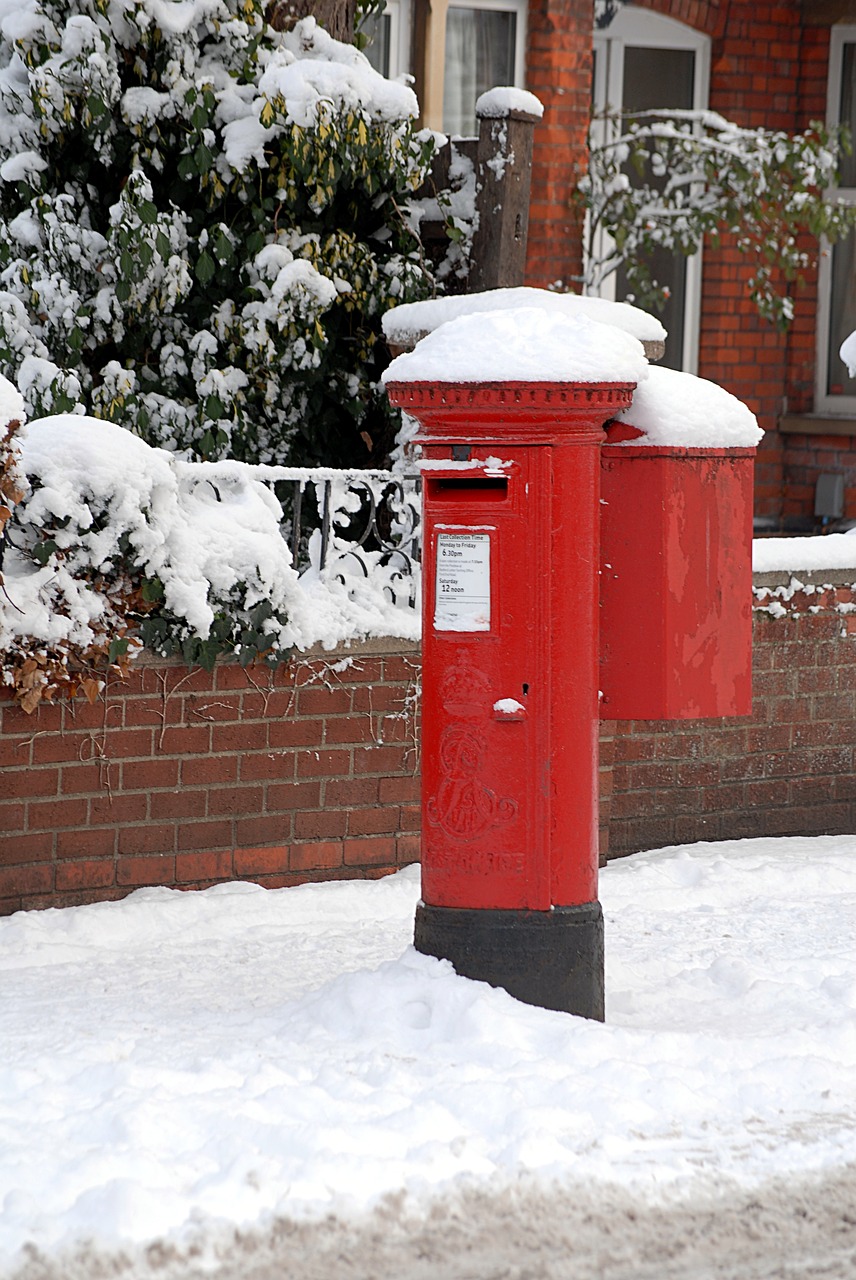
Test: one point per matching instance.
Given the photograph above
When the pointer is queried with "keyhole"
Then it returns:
(525, 690)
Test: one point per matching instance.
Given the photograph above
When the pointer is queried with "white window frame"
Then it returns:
(520, 8)
(833, 406)
(644, 29)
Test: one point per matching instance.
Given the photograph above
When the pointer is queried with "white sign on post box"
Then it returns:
(462, 594)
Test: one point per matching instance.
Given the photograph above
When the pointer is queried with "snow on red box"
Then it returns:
(676, 582)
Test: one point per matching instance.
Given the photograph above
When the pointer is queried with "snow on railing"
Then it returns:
(340, 524)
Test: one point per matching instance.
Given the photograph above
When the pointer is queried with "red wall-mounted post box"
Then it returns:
(676, 582)
(510, 683)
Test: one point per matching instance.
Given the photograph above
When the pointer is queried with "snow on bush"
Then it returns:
(13, 482)
(113, 544)
(202, 221)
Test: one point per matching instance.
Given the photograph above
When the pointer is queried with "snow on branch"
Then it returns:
(670, 180)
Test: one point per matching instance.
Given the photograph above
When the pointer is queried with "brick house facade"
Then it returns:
(778, 64)
(769, 66)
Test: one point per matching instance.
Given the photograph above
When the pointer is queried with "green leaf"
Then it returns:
(223, 246)
(205, 267)
(207, 653)
(43, 551)
(255, 242)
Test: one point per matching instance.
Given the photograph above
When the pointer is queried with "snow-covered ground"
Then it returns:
(177, 1064)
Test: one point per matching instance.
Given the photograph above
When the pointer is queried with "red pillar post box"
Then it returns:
(510, 683)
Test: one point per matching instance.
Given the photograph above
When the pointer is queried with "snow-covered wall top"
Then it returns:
(404, 325)
(527, 344)
(680, 410)
(794, 555)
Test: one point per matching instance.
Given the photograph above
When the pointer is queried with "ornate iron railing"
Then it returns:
(343, 525)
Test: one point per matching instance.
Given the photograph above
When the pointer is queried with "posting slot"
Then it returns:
(467, 488)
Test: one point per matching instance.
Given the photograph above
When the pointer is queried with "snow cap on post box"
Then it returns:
(676, 544)
(404, 325)
(526, 344)
(679, 410)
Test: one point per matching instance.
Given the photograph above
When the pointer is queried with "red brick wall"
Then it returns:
(185, 779)
(559, 72)
(814, 71)
(807, 457)
(789, 769)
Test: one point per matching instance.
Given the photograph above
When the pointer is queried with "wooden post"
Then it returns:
(504, 170)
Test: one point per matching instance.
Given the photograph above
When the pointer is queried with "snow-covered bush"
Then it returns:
(202, 221)
(111, 545)
(668, 179)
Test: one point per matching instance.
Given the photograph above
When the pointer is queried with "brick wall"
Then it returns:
(806, 458)
(789, 769)
(185, 779)
(559, 72)
(188, 779)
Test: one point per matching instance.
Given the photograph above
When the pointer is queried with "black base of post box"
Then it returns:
(552, 959)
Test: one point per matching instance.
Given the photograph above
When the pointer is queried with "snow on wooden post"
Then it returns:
(507, 119)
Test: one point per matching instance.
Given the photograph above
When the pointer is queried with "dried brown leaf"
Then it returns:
(91, 689)
(30, 700)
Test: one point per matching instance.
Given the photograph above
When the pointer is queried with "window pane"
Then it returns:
(655, 78)
(377, 28)
(479, 56)
(842, 314)
(670, 272)
(661, 78)
(848, 110)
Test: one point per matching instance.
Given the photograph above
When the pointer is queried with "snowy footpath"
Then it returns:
(184, 1074)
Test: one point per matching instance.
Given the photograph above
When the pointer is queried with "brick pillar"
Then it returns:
(559, 71)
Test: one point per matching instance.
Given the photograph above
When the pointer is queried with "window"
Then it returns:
(644, 62)
(388, 49)
(836, 392)
(484, 48)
